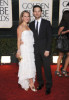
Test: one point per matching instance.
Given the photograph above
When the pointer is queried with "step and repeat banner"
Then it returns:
(5, 13)
(45, 4)
(63, 5)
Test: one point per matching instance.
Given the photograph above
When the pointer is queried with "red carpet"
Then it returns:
(9, 89)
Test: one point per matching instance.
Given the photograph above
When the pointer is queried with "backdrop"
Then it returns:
(5, 13)
(45, 4)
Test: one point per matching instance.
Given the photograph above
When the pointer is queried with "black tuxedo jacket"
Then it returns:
(43, 40)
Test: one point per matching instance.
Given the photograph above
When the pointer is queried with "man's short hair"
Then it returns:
(35, 6)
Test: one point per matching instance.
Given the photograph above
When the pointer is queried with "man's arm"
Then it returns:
(49, 39)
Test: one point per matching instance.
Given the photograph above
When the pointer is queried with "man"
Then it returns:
(42, 36)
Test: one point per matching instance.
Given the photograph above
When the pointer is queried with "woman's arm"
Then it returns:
(19, 31)
(64, 32)
(60, 30)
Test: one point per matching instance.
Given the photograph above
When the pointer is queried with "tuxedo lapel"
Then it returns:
(34, 26)
(41, 25)
(34, 29)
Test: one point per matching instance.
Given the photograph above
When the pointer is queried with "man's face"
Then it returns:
(37, 13)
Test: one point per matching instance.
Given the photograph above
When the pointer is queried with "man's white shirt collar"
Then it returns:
(39, 20)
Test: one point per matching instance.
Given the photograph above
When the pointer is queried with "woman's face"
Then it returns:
(26, 17)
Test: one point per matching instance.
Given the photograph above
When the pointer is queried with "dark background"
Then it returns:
(8, 37)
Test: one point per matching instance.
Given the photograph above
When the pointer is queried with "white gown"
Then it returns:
(27, 67)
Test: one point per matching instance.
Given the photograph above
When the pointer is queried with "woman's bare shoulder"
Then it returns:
(20, 28)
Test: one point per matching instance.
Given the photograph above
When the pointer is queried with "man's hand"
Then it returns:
(21, 42)
(46, 53)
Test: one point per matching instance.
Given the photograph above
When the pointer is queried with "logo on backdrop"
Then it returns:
(34, 0)
(45, 4)
(64, 5)
(5, 14)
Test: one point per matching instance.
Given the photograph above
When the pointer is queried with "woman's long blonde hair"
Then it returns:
(21, 15)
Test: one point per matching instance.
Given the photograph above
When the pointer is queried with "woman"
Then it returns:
(25, 52)
(64, 30)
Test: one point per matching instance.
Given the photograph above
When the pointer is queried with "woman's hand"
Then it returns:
(18, 54)
(68, 30)
(64, 32)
